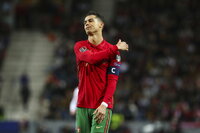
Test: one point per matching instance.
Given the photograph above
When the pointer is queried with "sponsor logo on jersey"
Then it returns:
(83, 49)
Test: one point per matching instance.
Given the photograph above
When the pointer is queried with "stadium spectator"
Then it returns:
(25, 91)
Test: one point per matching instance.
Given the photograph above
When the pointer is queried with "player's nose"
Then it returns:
(86, 23)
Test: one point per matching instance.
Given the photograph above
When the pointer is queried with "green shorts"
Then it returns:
(85, 122)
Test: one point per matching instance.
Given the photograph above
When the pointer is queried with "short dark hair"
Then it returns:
(96, 14)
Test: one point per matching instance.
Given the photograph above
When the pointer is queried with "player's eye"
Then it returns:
(85, 22)
(91, 20)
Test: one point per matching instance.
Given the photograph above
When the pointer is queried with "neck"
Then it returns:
(95, 38)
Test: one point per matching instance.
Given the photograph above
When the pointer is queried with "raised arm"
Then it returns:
(84, 54)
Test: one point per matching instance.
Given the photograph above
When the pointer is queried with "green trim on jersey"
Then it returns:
(85, 122)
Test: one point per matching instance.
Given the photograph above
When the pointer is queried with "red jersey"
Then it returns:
(98, 70)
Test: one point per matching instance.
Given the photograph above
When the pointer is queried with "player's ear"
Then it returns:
(101, 25)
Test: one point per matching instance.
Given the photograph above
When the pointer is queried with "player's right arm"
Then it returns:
(84, 54)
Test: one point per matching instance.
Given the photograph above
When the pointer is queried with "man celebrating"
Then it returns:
(98, 65)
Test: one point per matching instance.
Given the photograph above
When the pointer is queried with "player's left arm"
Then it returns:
(112, 78)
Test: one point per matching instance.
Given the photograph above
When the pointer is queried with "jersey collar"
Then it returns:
(97, 46)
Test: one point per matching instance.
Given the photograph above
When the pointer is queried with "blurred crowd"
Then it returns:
(160, 77)
(163, 78)
(6, 8)
(5, 27)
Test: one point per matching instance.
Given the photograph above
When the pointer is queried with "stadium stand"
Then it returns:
(160, 77)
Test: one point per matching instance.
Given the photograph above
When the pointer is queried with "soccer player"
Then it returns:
(98, 65)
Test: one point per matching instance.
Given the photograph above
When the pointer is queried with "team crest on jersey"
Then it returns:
(118, 58)
(83, 49)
